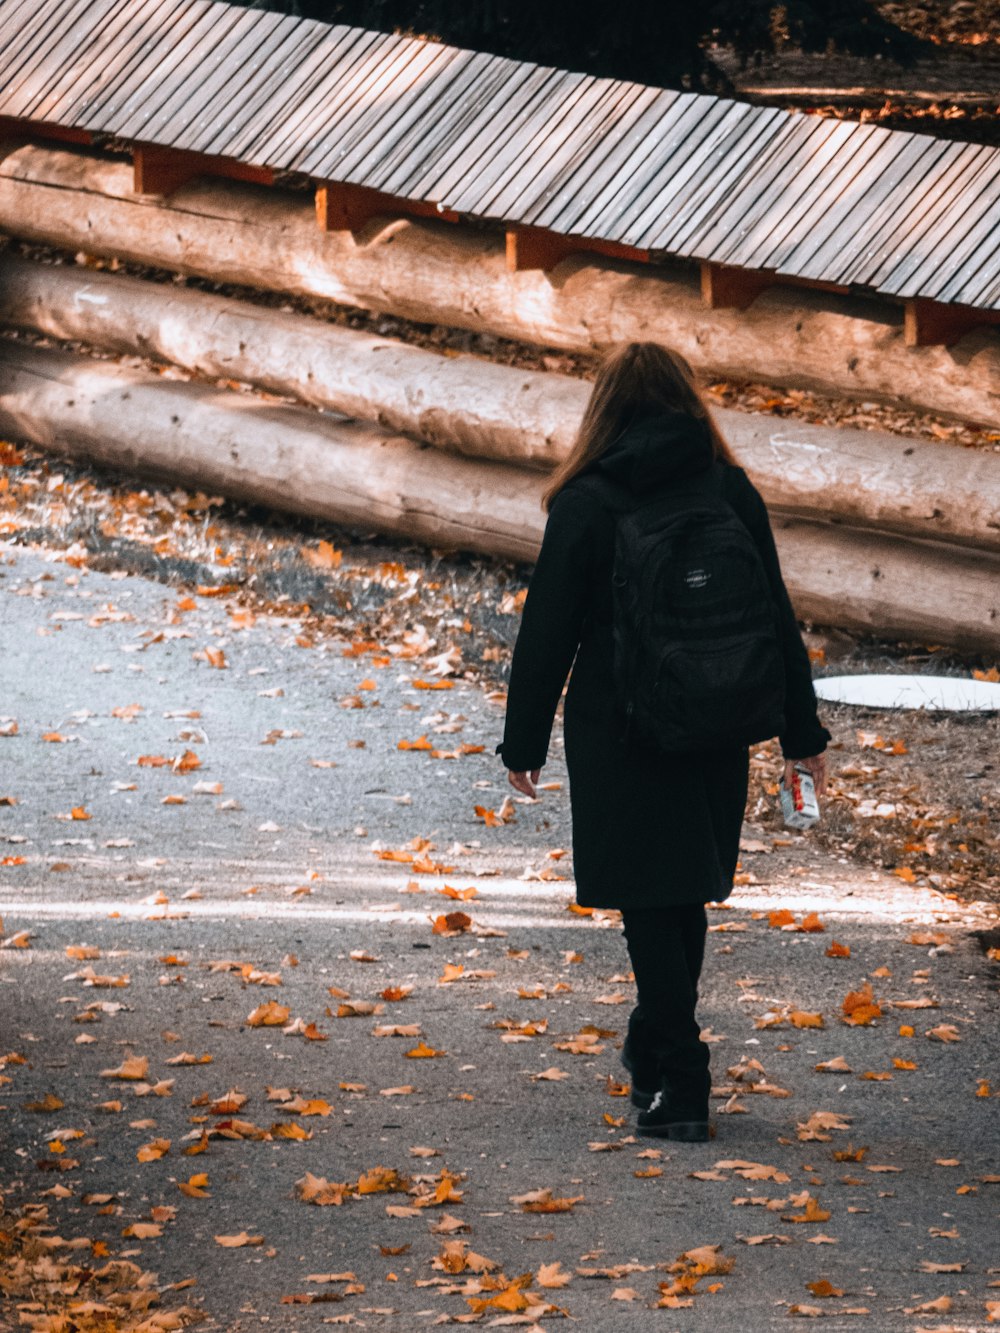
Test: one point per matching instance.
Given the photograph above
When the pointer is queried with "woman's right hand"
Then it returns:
(524, 782)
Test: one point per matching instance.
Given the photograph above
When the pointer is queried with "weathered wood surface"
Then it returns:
(440, 273)
(288, 458)
(349, 473)
(480, 408)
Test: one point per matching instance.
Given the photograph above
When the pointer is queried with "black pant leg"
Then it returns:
(666, 946)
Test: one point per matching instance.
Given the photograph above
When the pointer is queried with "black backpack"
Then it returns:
(697, 651)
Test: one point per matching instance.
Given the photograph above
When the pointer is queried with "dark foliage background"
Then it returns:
(659, 42)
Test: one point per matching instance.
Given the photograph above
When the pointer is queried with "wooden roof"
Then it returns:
(673, 173)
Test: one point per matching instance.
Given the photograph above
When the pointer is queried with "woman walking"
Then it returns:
(655, 829)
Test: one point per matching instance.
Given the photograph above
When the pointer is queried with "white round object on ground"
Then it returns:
(955, 694)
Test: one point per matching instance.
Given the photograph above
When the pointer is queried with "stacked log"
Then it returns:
(430, 271)
(360, 474)
(467, 405)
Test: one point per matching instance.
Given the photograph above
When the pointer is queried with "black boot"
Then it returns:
(680, 1108)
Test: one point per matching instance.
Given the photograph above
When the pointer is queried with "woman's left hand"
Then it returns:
(815, 766)
(524, 782)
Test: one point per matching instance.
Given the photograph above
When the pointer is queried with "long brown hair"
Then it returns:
(634, 381)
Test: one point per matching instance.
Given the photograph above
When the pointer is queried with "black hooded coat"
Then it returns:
(649, 829)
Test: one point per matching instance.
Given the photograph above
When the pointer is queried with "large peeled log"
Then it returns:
(293, 458)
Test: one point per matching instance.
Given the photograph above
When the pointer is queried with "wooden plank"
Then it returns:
(342, 85)
(535, 173)
(371, 77)
(912, 160)
(281, 73)
(625, 152)
(682, 161)
(137, 60)
(63, 61)
(463, 162)
(116, 47)
(816, 180)
(277, 141)
(22, 27)
(758, 224)
(230, 71)
(750, 145)
(960, 262)
(416, 94)
(846, 212)
(906, 205)
(682, 129)
(679, 203)
(90, 56)
(418, 152)
(346, 207)
(832, 178)
(942, 223)
(52, 45)
(401, 63)
(583, 158)
(736, 215)
(180, 71)
(928, 322)
(519, 134)
(164, 170)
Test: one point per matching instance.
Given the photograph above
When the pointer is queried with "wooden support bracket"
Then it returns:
(538, 248)
(164, 170)
(927, 322)
(341, 206)
(722, 285)
(11, 126)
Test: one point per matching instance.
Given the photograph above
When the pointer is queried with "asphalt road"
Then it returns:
(278, 868)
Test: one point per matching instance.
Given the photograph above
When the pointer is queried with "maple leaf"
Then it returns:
(195, 1186)
(860, 1006)
(799, 1019)
(823, 1287)
(269, 1014)
(813, 1212)
(50, 1102)
(132, 1067)
(423, 1052)
(552, 1275)
(810, 924)
(320, 1191)
(452, 923)
(818, 1123)
(381, 1180)
(186, 1058)
(543, 1201)
(944, 1032)
(152, 1151)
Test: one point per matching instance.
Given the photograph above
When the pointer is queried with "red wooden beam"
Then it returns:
(341, 206)
(538, 248)
(928, 322)
(39, 129)
(163, 170)
(723, 285)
